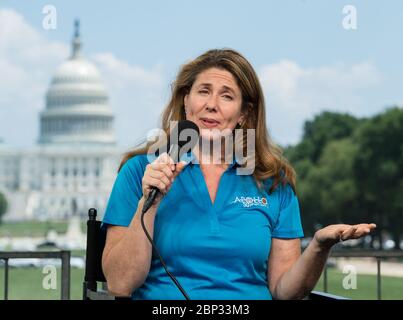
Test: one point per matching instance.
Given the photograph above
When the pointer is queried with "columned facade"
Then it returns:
(74, 164)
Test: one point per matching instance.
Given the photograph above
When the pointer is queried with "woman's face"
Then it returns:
(214, 102)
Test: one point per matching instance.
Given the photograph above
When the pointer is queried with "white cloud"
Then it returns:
(136, 94)
(295, 94)
(26, 62)
(28, 59)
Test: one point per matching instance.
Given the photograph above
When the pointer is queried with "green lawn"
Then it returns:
(26, 283)
(34, 228)
(392, 287)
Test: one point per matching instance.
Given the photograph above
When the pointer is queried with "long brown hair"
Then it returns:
(269, 161)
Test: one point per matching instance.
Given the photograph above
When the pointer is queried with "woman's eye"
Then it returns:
(203, 91)
(228, 97)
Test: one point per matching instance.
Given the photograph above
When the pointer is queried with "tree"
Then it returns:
(327, 191)
(3, 205)
(318, 181)
(378, 170)
(324, 128)
(351, 170)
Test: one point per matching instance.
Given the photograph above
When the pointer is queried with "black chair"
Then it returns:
(95, 277)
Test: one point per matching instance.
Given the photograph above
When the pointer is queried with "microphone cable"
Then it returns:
(159, 256)
(192, 130)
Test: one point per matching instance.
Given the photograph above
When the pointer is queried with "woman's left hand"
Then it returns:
(330, 235)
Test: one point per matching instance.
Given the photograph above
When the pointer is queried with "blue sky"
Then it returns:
(305, 58)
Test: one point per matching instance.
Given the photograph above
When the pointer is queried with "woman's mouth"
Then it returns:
(209, 123)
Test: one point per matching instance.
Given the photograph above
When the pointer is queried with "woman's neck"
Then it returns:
(211, 154)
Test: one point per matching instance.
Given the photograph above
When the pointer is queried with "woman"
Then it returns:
(222, 235)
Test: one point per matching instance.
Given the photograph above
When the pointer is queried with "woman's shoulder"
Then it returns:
(138, 159)
(282, 183)
(137, 162)
(284, 190)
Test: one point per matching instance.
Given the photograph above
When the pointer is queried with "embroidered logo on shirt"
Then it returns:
(251, 201)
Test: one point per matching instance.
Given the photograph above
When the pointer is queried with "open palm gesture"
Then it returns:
(332, 234)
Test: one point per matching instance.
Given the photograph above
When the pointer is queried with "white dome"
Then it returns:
(76, 82)
(77, 108)
(76, 70)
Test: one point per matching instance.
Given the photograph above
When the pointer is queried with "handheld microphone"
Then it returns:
(183, 138)
(177, 145)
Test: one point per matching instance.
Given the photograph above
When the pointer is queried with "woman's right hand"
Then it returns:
(161, 173)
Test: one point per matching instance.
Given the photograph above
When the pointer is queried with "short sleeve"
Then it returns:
(288, 224)
(126, 193)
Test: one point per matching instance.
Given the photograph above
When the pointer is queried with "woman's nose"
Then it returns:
(210, 108)
(212, 103)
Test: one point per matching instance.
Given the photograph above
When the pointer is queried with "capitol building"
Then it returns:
(74, 163)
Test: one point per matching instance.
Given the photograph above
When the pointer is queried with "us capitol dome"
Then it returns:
(74, 163)
(77, 109)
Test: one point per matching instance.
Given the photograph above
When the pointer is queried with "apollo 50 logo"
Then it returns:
(251, 201)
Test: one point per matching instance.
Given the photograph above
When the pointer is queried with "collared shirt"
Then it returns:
(215, 250)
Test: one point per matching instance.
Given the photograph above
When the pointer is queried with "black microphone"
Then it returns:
(178, 145)
(182, 139)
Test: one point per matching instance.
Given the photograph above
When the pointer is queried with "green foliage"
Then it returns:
(350, 170)
(378, 169)
(3, 205)
(324, 128)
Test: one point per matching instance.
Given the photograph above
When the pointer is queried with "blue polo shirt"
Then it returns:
(216, 251)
